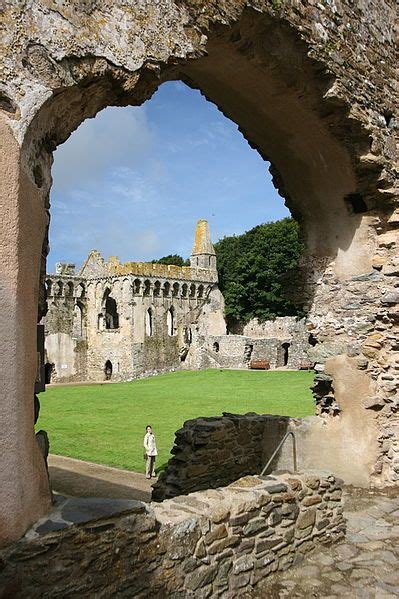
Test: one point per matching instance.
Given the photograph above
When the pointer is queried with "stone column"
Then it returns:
(24, 492)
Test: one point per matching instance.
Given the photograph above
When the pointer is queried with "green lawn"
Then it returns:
(106, 423)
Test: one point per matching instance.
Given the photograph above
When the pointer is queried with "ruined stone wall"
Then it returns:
(66, 328)
(312, 86)
(213, 452)
(176, 305)
(206, 544)
(281, 342)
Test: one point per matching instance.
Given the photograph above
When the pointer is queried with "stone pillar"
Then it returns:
(24, 491)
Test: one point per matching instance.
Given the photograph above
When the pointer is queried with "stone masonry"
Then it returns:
(119, 321)
(213, 452)
(211, 543)
(165, 317)
(312, 86)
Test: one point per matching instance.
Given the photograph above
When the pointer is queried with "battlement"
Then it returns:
(165, 271)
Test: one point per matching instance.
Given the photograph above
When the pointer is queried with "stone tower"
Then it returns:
(203, 254)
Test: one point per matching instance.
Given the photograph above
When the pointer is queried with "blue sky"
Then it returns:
(133, 181)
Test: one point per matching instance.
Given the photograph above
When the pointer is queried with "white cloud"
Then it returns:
(119, 136)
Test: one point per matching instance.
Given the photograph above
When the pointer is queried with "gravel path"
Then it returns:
(78, 478)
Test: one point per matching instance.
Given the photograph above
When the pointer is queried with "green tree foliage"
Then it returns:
(171, 259)
(254, 271)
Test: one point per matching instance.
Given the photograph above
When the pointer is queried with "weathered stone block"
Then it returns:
(306, 518)
(200, 577)
(217, 532)
(243, 564)
(255, 526)
(219, 546)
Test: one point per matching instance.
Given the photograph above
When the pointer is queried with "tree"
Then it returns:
(253, 271)
(174, 259)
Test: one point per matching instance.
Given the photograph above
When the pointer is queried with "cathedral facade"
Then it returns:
(120, 321)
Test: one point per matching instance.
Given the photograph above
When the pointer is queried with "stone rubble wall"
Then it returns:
(213, 452)
(281, 327)
(211, 543)
(237, 351)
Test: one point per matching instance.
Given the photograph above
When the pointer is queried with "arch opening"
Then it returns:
(258, 72)
(108, 368)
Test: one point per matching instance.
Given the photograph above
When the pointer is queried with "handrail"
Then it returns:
(279, 446)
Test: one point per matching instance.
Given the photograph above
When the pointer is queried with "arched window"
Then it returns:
(188, 335)
(285, 347)
(111, 311)
(175, 289)
(170, 321)
(77, 326)
(148, 322)
(192, 290)
(147, 287)
(80, 291)
(136, 286)
(108, 370)
(184, 290)
(200, 292)
(216, 347)
(69, 289)
(59, 290)
(157, 289)
(166, 289)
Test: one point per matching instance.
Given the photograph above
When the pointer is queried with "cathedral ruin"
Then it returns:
(312, 86)
(120, 321)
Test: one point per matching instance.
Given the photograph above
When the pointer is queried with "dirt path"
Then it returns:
(86, 479)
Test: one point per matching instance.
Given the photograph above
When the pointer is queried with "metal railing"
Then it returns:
(279, 446)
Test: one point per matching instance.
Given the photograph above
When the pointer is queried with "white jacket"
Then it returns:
(150, 445)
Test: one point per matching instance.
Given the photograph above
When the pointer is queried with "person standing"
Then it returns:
(150, 452)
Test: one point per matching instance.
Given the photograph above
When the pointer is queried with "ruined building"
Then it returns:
(119, 321)
(312, 86)
(122, 320)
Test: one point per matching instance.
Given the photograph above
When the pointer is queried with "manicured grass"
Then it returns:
(106, 423)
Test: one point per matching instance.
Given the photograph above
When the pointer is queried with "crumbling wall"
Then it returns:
(205, 544)
(65, 342)
(311, 86)
(213, 452)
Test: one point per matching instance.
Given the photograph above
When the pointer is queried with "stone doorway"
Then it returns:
(48, 372)
(108, 370)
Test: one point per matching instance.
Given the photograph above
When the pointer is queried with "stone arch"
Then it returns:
(170, 321)
(110, 310)
(200, 291)
(175, 289)
(166, 289)
(286, 349)
(184, 290)
(290, 80)
(192, 290)
(147, 288)
(137, 287)
(80, 290)
(78, 321)
(149, 322)
(108, 368)
(69, 289)
(157, 289)
(59, 289)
